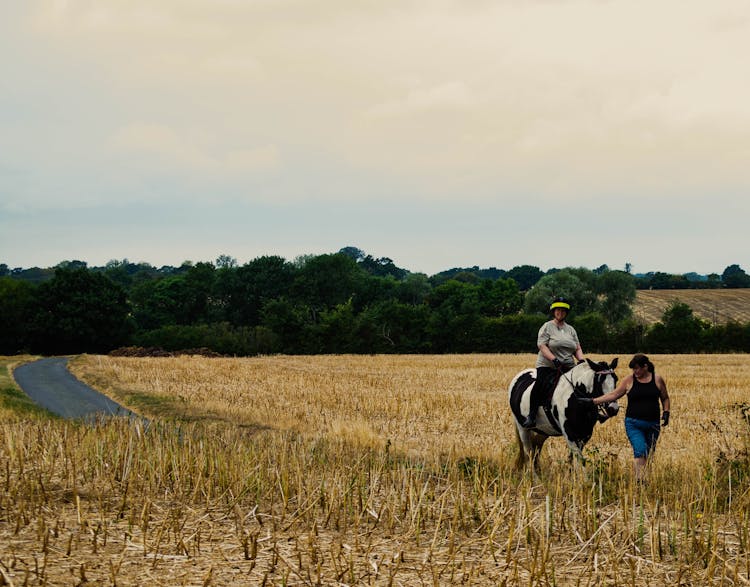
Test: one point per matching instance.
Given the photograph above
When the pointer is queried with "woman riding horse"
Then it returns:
(558, 349)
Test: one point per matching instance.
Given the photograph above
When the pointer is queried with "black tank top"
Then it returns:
(643, 400)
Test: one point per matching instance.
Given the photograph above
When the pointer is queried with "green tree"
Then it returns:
(160, 302)
(16, 299)
(326, 281)
(338, 330)
(74, 264)
(735, 276)
(33, 275)
(616, 293)
(414, 289)
(713, 280)
(661, 280)
(525, 276)
(628, 336)
(455, 315)
(729, 337)
(291, 324)
(126, 273)
(394, 327)
(225, 262)
(514, 333)
(381, 267)
(77, 311)
(499, 297)
(577, 285)
(183, 298)
(198, 303)
(353, 253)
(679, 331)
(592, 332)
(244, 291)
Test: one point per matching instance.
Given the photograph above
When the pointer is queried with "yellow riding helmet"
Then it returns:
(560, 303)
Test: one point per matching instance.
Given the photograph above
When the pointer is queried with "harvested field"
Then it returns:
(368, 470)
(717, 306)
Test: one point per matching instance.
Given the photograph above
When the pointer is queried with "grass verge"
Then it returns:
(14, 403)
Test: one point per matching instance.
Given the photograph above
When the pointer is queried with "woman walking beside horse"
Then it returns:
(645, 390)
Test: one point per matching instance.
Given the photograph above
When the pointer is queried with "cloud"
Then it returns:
(446, 96)
(447, 99)
(163, 145)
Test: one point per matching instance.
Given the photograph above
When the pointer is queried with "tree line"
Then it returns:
(345, 302)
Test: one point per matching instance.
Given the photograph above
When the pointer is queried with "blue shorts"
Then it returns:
(642, 434)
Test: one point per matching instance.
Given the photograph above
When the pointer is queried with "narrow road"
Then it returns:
(49, 383)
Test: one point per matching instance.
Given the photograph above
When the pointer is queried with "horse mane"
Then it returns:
(579, 375)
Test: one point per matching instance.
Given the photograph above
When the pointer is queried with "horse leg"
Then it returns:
(524, 447)
(537, 442)
(529, 446)
(576, 459)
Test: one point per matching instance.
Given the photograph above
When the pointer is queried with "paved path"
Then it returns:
(49, 383)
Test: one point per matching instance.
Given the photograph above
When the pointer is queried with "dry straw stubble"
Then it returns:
(369, 470)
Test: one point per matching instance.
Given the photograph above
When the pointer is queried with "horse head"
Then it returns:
(605, 380)
(587, 380)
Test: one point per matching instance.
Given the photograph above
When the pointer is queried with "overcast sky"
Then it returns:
(437, 133)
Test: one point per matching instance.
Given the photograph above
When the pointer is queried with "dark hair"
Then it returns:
(642, 361)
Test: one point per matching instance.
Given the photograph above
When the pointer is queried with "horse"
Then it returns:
(564, 415)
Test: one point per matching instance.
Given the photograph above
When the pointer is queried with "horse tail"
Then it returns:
(521, 455)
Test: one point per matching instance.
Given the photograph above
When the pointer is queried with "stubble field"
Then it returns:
(359, 470)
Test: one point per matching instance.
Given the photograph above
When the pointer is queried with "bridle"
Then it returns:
(599, 377)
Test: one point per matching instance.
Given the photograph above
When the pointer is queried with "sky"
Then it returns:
(437, 133)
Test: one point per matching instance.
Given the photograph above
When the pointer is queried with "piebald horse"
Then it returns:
(564, 416)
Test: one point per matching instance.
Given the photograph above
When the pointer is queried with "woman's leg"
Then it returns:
(536, 395)
(640, 435)
(651, 435)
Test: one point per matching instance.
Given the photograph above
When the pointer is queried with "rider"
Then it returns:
(558, 348)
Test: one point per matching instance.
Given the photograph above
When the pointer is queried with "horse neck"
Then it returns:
(581, 374)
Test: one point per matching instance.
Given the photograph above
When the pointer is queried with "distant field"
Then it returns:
(715, 305)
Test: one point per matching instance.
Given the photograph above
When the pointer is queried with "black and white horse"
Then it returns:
(564, 416)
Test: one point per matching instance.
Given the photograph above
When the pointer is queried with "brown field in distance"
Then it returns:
(717, 306)
(368, 470)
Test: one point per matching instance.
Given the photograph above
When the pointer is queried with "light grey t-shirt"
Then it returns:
(563, 343)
